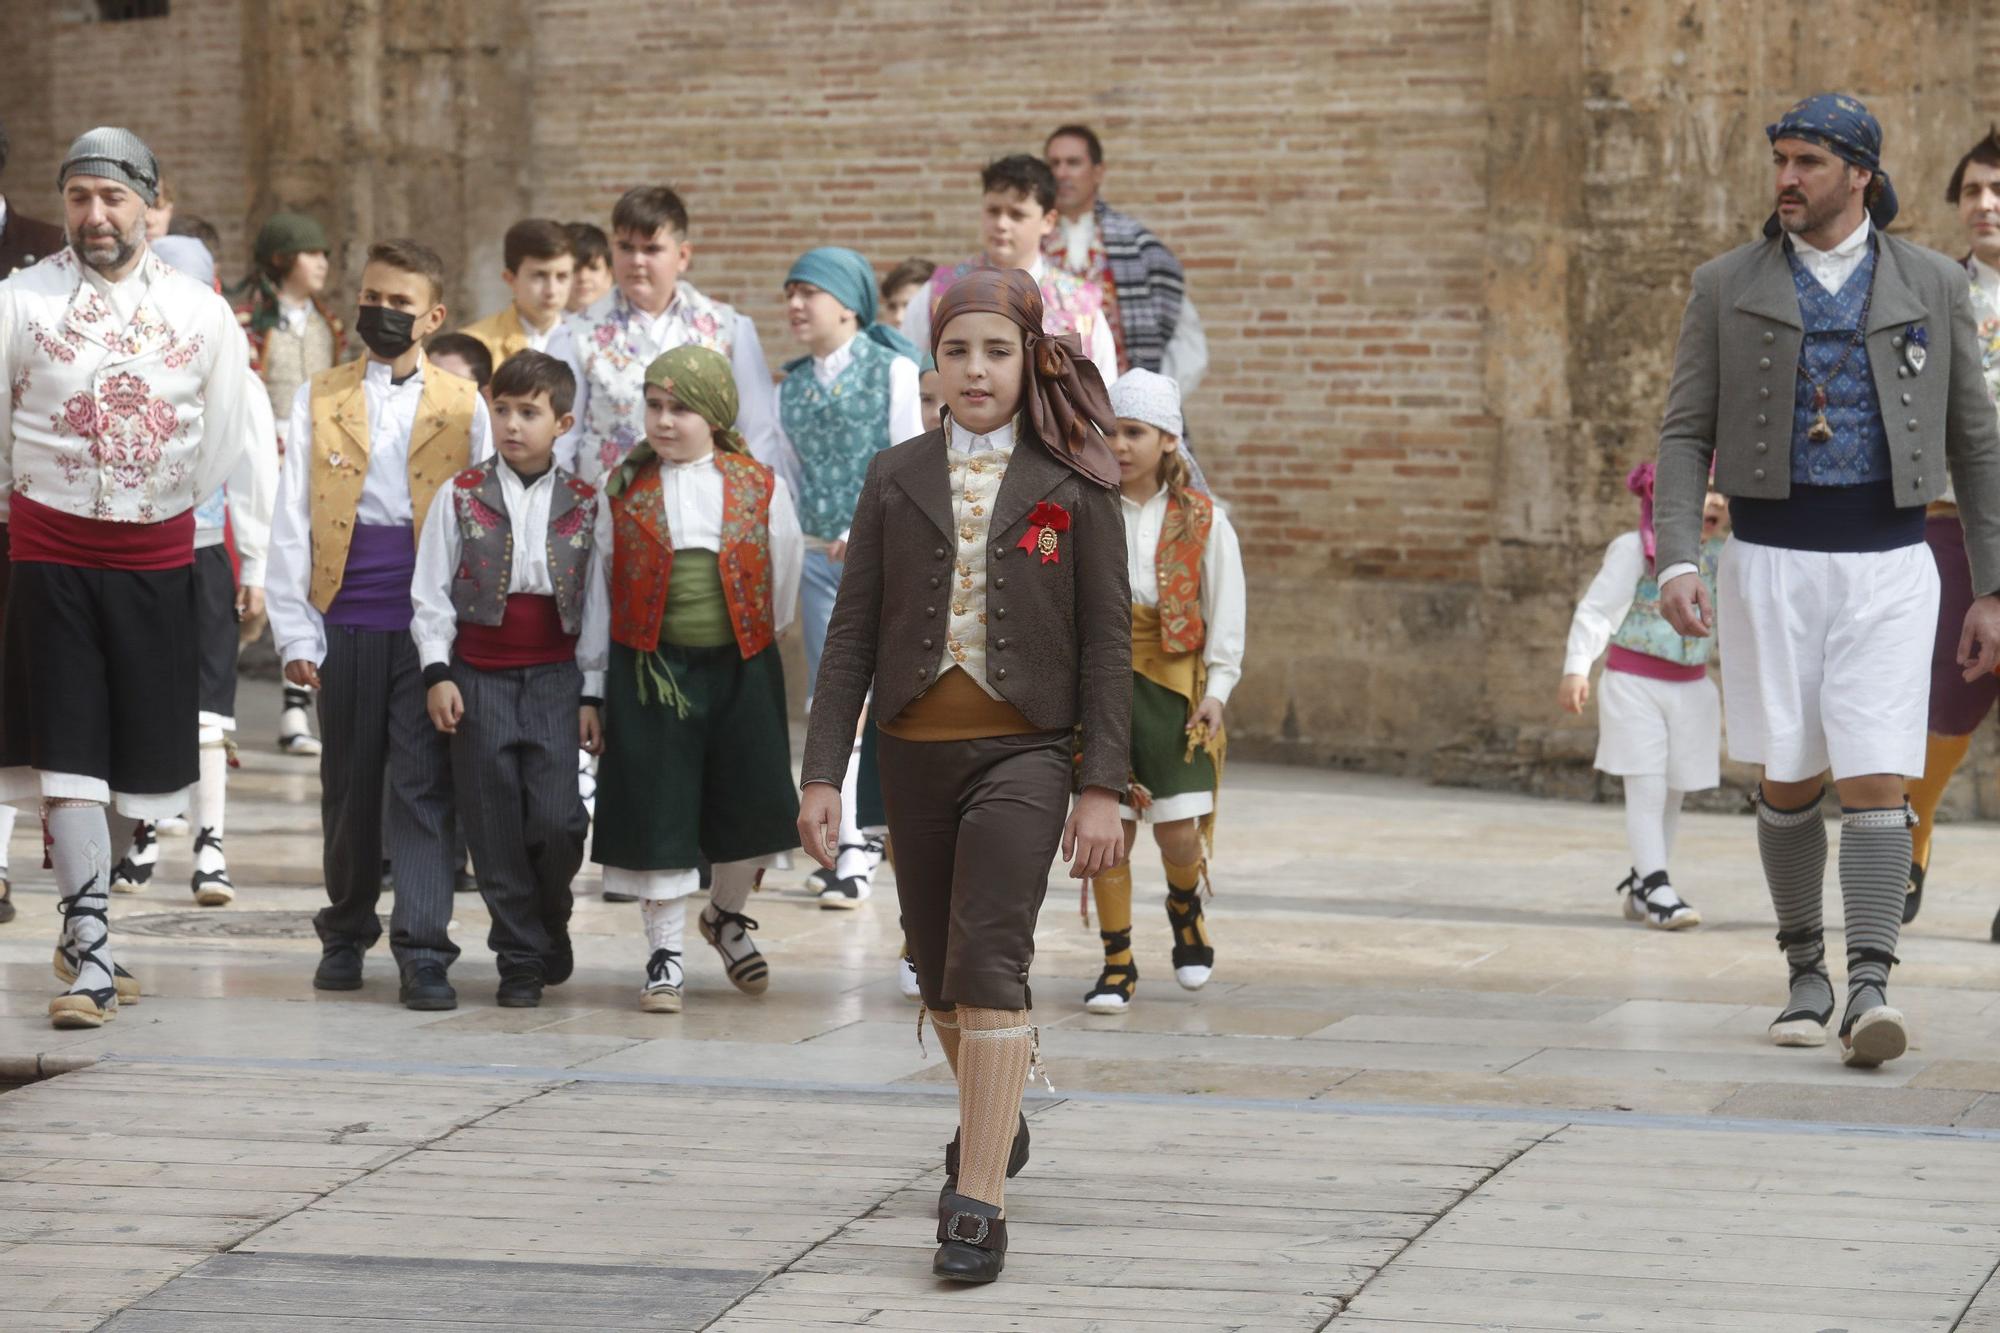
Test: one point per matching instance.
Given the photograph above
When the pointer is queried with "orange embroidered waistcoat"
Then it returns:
(642, 556)
(440, 447)
(1178, 568)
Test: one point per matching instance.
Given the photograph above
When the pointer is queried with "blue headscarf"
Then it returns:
(1843, 126)
(847, 277)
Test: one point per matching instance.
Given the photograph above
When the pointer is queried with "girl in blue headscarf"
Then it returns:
(853, 395)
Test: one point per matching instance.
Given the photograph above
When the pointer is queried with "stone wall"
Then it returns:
(1440, 246)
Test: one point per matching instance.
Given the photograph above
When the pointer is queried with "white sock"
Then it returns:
(1645, 822)
(80, 850)
(850, 827)
(666, 921)
(212, 792)
(731, 882)
(7, 816)
(1670, 822)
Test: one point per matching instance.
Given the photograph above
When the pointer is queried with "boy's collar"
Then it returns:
(548, 469)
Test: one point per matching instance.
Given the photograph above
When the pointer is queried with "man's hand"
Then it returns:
(302, 673)
(1688, 607)
(1208, 713)
(249, 603)
(1094, 839)
(1573, 693)
(1979, 642)
(446, 707)
(590, 729)
(819, 822)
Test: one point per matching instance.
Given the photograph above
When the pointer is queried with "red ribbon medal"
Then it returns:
(1043, 525)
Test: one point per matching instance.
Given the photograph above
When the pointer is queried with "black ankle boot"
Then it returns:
(974, 1248)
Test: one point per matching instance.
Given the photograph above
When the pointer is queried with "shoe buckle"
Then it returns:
(951, 1229)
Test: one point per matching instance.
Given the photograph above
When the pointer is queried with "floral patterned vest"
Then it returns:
(642, 556)
(1178, 569)
(486, 552)
(1646, 631)
(836, 429)
(615, 347)
(1069, 304)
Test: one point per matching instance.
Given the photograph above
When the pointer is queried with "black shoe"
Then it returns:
(1913, 897)
(1016, 1159)
(466, 882)
(614, 896)
(520, 989)
(975, 1240)
(1996, 927)
(559, 963)
(339, 968)
(424, 987)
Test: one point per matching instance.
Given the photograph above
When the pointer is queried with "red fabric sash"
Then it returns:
(39, 533)
(1654, 668)
(530, 633)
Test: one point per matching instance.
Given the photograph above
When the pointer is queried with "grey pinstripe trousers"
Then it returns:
(513, 765)
(374, 728)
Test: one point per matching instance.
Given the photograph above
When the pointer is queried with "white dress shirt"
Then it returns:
(691, 501)
(1605, 603)
(1185, 360)
(1223, 596)
(434, 619)
(296, 625)
(292, 316)
(1078, 236)
(1832, 268)
(1100, 347)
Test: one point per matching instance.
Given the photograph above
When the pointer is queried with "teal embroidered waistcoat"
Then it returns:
(1646, 631)
(835, 429)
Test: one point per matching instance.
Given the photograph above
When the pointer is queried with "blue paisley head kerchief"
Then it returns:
(1843, 126)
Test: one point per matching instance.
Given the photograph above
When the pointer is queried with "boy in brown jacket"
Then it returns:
(985, 601)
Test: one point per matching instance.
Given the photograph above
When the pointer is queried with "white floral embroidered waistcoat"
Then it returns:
(616, 346)
(107, 414)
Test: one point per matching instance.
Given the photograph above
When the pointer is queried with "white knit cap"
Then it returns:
(1144, 395)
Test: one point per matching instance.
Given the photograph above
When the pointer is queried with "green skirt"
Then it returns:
(1182, 787)
(715, 784)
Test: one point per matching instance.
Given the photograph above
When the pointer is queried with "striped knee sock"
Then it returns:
(1874, 867)
(1792, 845)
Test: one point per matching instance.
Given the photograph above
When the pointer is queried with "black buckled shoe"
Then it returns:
(339, 968)
(559, 964)
(6, 900)
(1016, 1159)
(974, 1246)
(1913, 894)
(520, 988)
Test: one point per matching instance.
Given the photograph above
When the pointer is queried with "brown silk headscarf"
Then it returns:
(1066, 400)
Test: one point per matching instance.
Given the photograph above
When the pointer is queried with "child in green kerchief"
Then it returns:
(696, 764)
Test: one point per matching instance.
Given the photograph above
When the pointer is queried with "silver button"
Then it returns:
(1911, 424)
(1917, 483)
(1763, 363)
(930, 610)
(1906, 400)
(1758, 474)
(1896, 341)
(922, 672)
(939, 553)
(1001, 644)
(1916, 455)
(1000, 614)
(934, 580)
(999, 583)
(927, 643)
(1769, 337)
(1902, 372)
(1763, 393)
(1001, 674)
(1763, 420)
(1763, 448)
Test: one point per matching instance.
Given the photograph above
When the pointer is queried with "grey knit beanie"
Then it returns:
(114, 154)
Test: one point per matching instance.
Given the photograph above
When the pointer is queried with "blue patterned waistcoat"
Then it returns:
(836, 429)
(1645, 630)
(1858, 453)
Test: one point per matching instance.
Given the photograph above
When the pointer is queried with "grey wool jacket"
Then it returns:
(1735, 376)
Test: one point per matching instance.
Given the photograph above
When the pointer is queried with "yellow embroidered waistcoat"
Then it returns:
(440, 448)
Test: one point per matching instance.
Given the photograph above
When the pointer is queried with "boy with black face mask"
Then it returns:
(369, 446)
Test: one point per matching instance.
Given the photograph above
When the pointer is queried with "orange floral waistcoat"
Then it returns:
(1178, 568)
(642, 556)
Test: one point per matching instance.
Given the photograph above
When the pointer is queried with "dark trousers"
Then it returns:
(513, 767)
(975, 826)
(374, 727)
(1957, 706)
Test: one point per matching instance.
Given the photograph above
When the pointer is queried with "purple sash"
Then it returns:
(375, 591)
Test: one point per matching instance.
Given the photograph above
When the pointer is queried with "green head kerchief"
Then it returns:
(289, 234)
(700, 379)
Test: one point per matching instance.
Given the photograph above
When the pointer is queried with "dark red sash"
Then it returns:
(36, 532)
(530, 633)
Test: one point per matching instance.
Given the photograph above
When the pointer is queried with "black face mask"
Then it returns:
(388, 333)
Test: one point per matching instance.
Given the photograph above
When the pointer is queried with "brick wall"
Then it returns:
(1440, 246)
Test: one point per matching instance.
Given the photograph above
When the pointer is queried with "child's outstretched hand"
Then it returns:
(819, 822)
(590, 729)
(1573, 693)
(1094, 839)
(1208, 714)
(445, 706)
